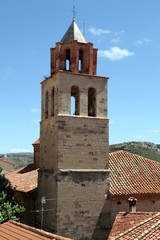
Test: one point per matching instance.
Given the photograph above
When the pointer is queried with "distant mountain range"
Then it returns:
(145, 149)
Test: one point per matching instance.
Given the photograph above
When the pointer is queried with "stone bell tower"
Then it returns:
(73, 173)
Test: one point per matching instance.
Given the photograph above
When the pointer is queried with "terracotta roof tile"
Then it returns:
(142, 226)
(12, 230)
(133, 174)
(24, 179)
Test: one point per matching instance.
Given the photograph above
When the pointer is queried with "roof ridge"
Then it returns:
(116, 151)
(138, 225)
(1, 159)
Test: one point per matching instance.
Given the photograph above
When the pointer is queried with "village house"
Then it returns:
(6, 166)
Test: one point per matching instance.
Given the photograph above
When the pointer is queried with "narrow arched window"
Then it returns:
(46, 105)
(68, 60)
(80, 61)
(52, 102)
(92, 102)
(75, 104)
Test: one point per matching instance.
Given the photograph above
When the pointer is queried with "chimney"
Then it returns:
(132, 204)
(36, 146)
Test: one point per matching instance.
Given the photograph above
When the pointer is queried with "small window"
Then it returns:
(68, 60)
(52, 101)
(46, 105)
(92, 102)
(75, 100)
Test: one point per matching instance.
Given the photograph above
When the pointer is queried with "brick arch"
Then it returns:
(80, 59)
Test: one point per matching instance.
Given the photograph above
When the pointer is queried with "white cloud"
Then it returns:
(120, 33)
(35, 110)
(156, 131)
(139, 136)
(98, 31)
(18, 150)
(139, 43)
(35, 121)
(147, 40)
(116, 40)
(143, 41)
(115, 53)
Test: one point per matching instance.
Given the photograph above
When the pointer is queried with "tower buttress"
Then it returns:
(74, 148)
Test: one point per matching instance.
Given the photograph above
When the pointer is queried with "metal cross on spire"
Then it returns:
(74, 9)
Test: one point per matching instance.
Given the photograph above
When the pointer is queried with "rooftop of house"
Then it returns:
(136, 226)
(133, 174)
(3, 161)
(6, 166)
(24, 179)
(12, 230)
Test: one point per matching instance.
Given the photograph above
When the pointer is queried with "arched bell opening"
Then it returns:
(75, 100)
(92, 102)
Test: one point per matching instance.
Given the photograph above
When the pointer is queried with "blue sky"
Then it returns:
(128, 38)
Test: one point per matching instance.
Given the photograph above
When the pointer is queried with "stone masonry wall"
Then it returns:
(82, 142)
(81, 197)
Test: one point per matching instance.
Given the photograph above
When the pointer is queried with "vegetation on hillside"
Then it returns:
(9, 207)
(19, 159)
(145, 149)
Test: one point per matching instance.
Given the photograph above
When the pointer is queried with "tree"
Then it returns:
(9, 206)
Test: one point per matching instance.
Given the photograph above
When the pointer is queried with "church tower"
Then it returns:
(73, 173)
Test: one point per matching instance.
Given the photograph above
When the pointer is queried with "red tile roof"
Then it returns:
(12, 230)
(37, 142)
(2, 160)
(24, 179)
(133, 174)
(142, 226)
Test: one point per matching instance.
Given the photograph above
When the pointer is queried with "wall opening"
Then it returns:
(75, 104)
(52, 102)
(92, 102)
(80, 61)
(46, 105)
(68, 60)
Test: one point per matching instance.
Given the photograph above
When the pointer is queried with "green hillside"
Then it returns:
(145, 149)
(19, 159)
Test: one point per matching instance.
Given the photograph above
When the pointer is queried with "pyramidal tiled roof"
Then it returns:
(133, 174)
(142, 226)
(73, 33)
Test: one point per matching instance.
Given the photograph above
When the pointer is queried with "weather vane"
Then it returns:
(74, 9)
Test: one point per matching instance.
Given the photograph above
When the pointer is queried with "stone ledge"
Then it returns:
(84, 170)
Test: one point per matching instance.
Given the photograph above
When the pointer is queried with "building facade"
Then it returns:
(73, 175)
